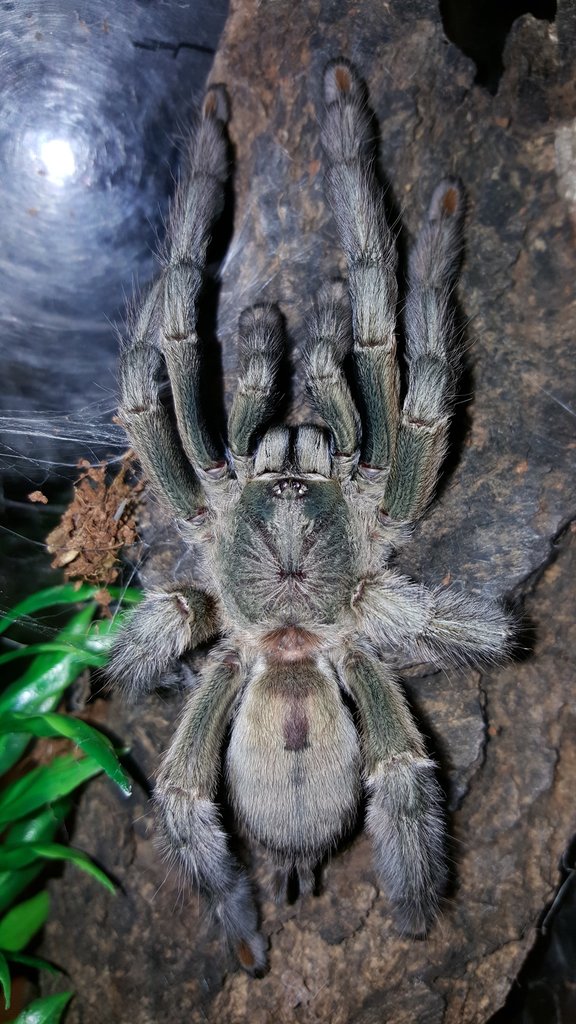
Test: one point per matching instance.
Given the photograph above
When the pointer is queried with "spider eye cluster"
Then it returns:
(289, 488)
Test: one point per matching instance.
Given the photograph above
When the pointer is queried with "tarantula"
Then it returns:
(296, 528)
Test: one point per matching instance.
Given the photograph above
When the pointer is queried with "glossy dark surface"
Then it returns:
(95, 100)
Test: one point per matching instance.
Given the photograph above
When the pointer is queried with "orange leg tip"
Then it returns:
(246, 956)
(450, 201)
(216, 103)
(342, 78)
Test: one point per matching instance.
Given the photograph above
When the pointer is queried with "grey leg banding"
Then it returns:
(189, 821)
(404, 815)
(147, 420)
(164, 626)
(197, 205)
(261, 345)
(330, 341)
(432, 358)
(357, 203)
(443, 626)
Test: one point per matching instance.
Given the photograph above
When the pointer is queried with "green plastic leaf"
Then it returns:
(55, 667)
(5, 980)
(65, 593)
(91, 647)
(40, 828)
(85, 736)
(20, 924)
(42, 685)
(12, 883)
(48, 675)
(15, 857)
(87, 657)
(34, 961)
(44, 784)
(47, 1010)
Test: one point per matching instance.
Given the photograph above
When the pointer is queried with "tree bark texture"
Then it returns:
(505, 738)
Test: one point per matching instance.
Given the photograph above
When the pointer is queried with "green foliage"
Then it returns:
(38, 828)
(48, 1010)
(33, 804)
(82, 644)
(62, 594)
(21, 923)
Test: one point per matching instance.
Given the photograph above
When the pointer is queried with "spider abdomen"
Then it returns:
(294, 761)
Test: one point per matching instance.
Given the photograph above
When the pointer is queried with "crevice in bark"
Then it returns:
(480, 27)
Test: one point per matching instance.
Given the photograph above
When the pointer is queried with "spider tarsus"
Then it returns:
(333, 292)
(258, 312)
(448, 200)
(261, 330)
(252, 956)
(415, 919)
(341, 80)
(216, 103)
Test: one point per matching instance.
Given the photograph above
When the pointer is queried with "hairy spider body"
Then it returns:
(296, 527)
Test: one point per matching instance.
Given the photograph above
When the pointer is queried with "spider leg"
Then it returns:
(165, 625)
(164, 334)
(197, 205)
(404, 815)
(261, 343)
(423, 432)
(189, 820)
(441, 625)
(147, 420)
(330, 338)
(357, 203)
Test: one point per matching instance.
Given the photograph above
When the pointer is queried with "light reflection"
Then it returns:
(58, 159)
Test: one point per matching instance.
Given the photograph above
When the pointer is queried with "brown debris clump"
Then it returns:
(37, 496)
(100, 520)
